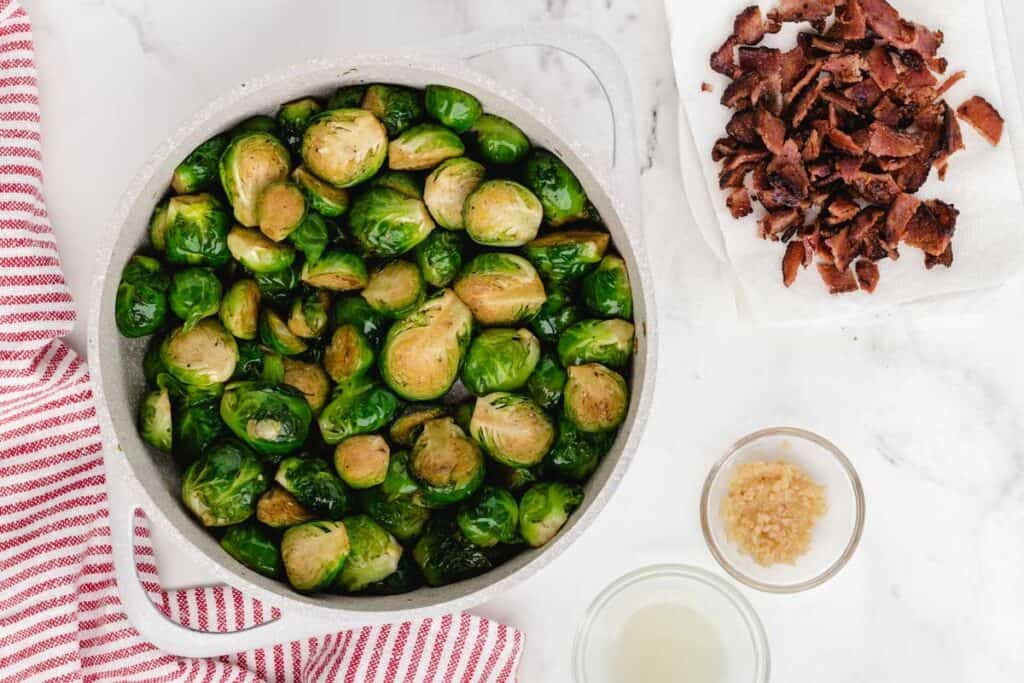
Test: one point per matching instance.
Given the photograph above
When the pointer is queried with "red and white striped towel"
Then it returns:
(60, 615)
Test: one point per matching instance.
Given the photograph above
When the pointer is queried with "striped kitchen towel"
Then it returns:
(60, 615)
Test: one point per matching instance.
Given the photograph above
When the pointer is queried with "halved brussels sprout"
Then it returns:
(202, 356)
(606, 289)
(344, 146)
(596, 398)
(446, 463)
(240, 309)
(455, 108)
(353, 310)
(395, 106)
(195, 294)
(251, 162)
(155, 419)
(197, 231)
(404, 579)
(277, 285)
(497, 140)
(293, 119)
(409, 424)
(566, 255)
(421, 356)
(544, 510)
(489, 518)
(386, 222)
(348, 355)
(358, 407)
(311, 237)
(253, 546)
(395, 288)
(275, 334)
(396, 504)
(403, 182)
(260, 123)
(279, 509)
(609, 342)
(423, 147)
(445, 556)
(258, 253)
(140, 307)
(558, 190)
(309, 314)
(256, 362)
(315, 486)
(501, 213)
(280, 208)
(447, 187)
(198, 172)
(500, 359)
(576, 454)
(196, 425)
(313, 554)
(440, 257)
(339, 271)
(556, 315)
(221, 487)
(500, 288)
(323, 198)
(158, 227)
(362, 461)
(347, 97)
(373, 554)
(272, 419)
(310, 379)
(512, 429)
(547, 382)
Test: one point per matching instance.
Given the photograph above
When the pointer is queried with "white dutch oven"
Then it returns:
(139, 478)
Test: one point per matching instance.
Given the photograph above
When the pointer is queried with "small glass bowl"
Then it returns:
(742, 647)
(836, 534)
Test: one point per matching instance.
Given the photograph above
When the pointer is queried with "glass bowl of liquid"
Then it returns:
(668, 623)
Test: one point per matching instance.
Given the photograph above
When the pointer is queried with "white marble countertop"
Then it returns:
(931, 410)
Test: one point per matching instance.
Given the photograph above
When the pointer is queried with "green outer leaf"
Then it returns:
(455, 108)
(272, 419)
(254, 546)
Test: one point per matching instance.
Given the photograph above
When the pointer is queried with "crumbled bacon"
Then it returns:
(931, 229)
(867, 275)
(983, 117)
(749, 27)
(850, 23)
(794, 258)
(739, 203)
(771, 130)
(837, 281)
(802, 10)
(943, 259)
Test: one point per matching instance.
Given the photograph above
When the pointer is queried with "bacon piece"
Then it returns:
(845, 68)
(952, 139)
(850, 23)
(848, 167)
(876, 188)
(888, 112)
(865, 94)
(771, 130)
(840, 210)
(844, 143)
(837, 281)
(884, 20)
(706, 87)
(786, 173)
(741, 127)
(950, 82)
(867, 275)
(723, 60)
(918, 79)
(812, 146)
(805, 100)
(843, 248)
(743, 92)
(884, 141)
(932, 227)
(794, 66)
(938, 64)
(773, 224)
(881, 68)
(766, 62)
(739, 203)
(840, 101)
(802, 10)
(749, 26)
(865, 231)
(792, 260)
(734, 177)
(943, 259)
(983, 117)
(724, 147)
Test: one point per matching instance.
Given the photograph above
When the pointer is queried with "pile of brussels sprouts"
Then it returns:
(390, 339)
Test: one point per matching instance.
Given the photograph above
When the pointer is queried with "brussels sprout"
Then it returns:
(293, 118)
(500, 359)
(500, 288)
(198, 172)
(421, 356)
(463, 414)
(353, 310)
(279, 509)
(489, 518)
(140, 307)
(445, 556)
(196, 424)
(253, 546)
(189, 393)
(409, 424)
(240, 309)
(609, 342)
(310, 379)
(251, 162)
(202, 356)
(395, 288)
(258, 253)
(497, 140)
(515, 479)
(275, 334)
(423, 147)
(309, 314)
(311, 237)
(555, 316)
(455, 108)
(315, 486)
(596, 398)
(272, 419)
(373, 554)
(396, 504)
(439, 257)
(358, 407)
(155, 419)
(158, 227)
(566, 255)
(347, 97)
(313, 554)
(501, 213)
(195, 294)
(260, 123)
(446, 463)
(197, 229)
(152, 366)
(447, 187)
(404, 579)
(512, 429)
(348, 355)
(547, 382)
(280, 209)
(556, 187)
(386, 222)
(256, 362)
(344, 146)
(221, 487)
(575, 454)
(362, 461)
(277, 285)
(544, 509)
(395, 106)
(606, 289)
(336, 270)
(404, 182)
(323, 198)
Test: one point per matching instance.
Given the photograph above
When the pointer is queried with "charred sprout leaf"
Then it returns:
(344, 147)
(240, 309)
(423, 147)
(256, 362)
(555, 316)
(512, 429)
(564, 256)
(500, 359)
(274, 333)
(395, 288)
(409, 424)
(313, 554)
(373, 556)
(314, 486)
(255, 547)
(309, 314)
(609, 342)
(141, 304)
(501, 213)
(199, 171)
(490, 517)
(347, 97)
(447, 187)
(497, 141)
(155, 419)
(221, 487)
(515, 479)
(446, 463)
(279, 509)
(358, 407)
(277, 285)
(195, 294)
(349, 354)
(338, 271)
(281, 207)
(385, 222)
(455, 108)
(440, 257)
(353, 310)
(395, 106)
(576, 454)
(500, 288)
(202, 356)
(362, 461)
(272, 419)
(559, 191)
(310, 379)
(293, 119)
(596, 398)
(323, 198)
(251, 162)
(445, 556)
(544, 509)
(547, 382)
(606, 289)
(197, 231)
(311, 237)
